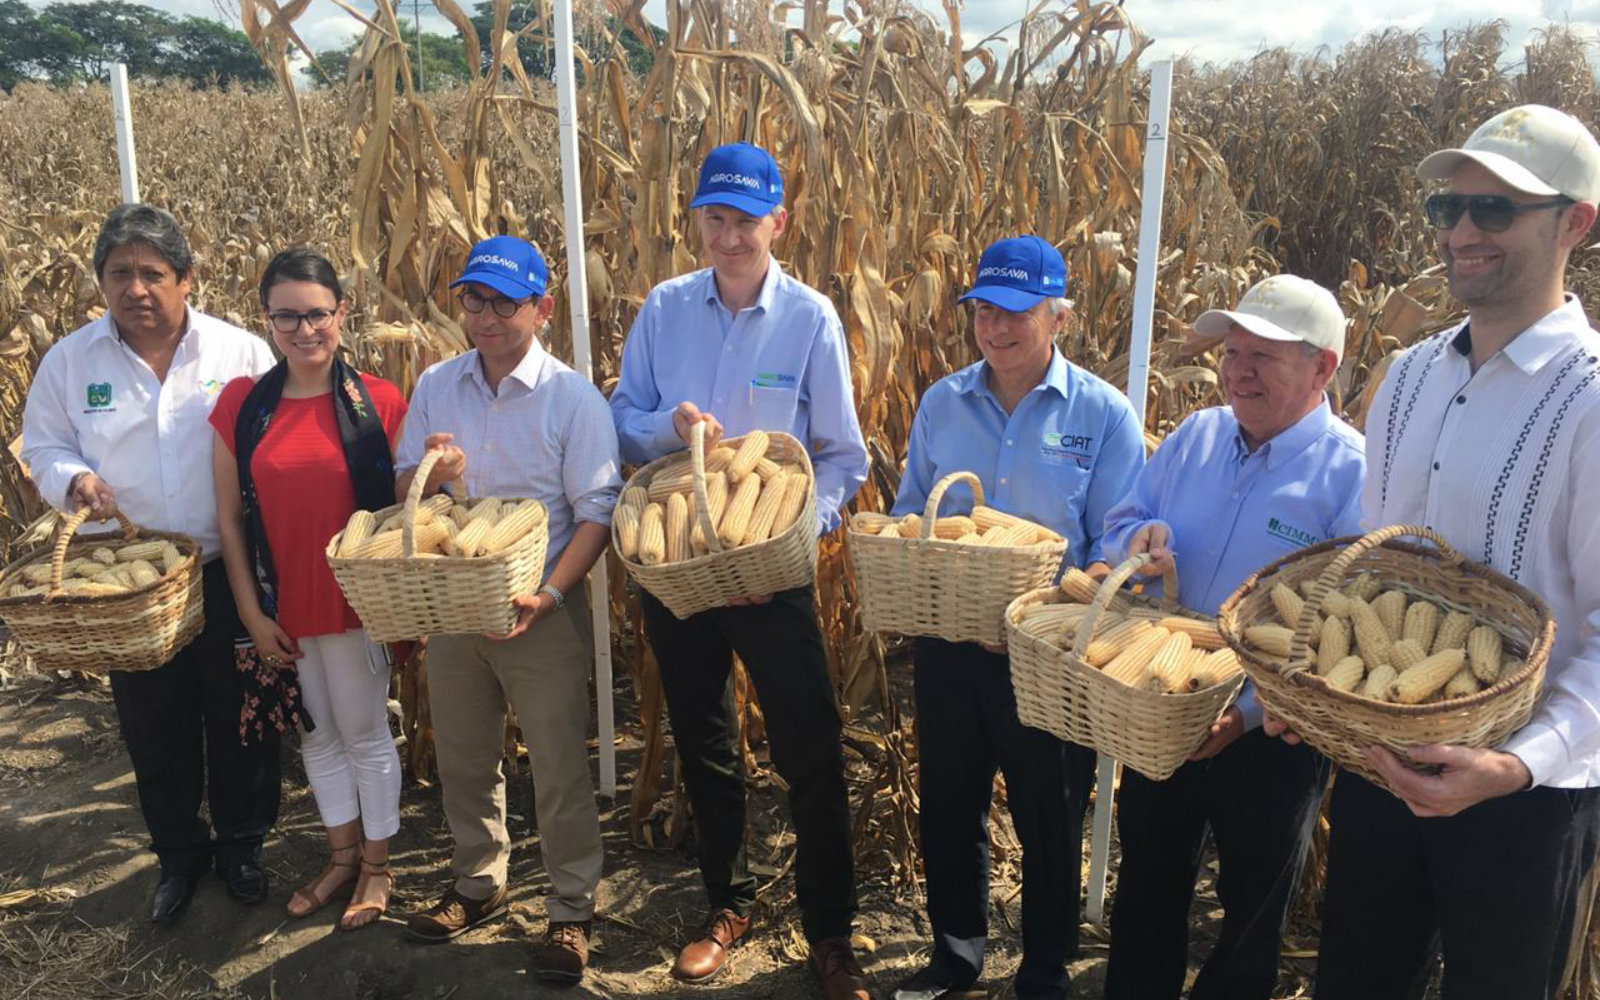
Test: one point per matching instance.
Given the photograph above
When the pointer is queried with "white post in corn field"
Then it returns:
(578, 292)
(1144, 303)
(122, 111)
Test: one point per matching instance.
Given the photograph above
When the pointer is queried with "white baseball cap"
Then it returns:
(1283, 307)
(1533, 148)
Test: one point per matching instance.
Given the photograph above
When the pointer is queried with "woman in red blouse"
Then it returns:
(297, 452)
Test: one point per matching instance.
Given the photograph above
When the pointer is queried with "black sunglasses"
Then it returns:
(1492, 213)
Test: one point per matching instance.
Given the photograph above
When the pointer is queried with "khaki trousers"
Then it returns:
(543, 675)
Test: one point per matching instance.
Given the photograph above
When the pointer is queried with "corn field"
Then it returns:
(903, 153)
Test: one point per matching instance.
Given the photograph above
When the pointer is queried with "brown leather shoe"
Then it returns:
(704, 957)
(564, 953)
(834, 961)
(454, 915)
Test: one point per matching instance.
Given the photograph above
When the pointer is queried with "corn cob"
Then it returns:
(1346, 674)
(1017, 534)
(986, 517)
(1509, 667)
(652, 536)
(426, 538)
(736, 519)
(910, 526)
(797, 488)
(487, 509)
(383, 545)
(662, 487)
(1166, 668)
(1483, 653)
(1111, 642)
(1193, 666)
(773, 491)
(1428, 677)
(356, 530)
(514, 523)
(1204, 635)
(973, 538)
(955, 527)
(1390, 607)
(1372, 637)
(627, 521)
(1076, 585)
(170, 557)
(139, 550)
(439, 505)
(452, 531)
(1463, 684)
(1128, 668)
(1273, 640)
(766, 468)
(1376, 686)
(1453, 632)
(1364, 587)
(1336, 604)
(869, 523)
(635, 497)
(1406, 654)
(104, 556)
(719, 458)
(142, 573)
(1071, 624)
(1218, 666)
(1288, 604)
(750, 451)
(85, 568)
(461, 515)
(469, 540)
(39, 572)
(114, 577)
(1422, 623)
(91, 588)
(716, 503)
(676, 529)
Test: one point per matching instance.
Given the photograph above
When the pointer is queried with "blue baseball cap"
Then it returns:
(741, 176)
(509, 265)
(1017, 274)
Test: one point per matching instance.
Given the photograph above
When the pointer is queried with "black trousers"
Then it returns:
(1260, 799)
(1495, 888)
(967, 728)
(780, 644)
(181, 726)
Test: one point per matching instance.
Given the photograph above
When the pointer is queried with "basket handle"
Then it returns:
(930, 510)
(1108, 592)
(1334, 573)
(697, 468)
(68, 527)
(408, 519)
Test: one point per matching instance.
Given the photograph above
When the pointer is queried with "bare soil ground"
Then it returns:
(75, 881)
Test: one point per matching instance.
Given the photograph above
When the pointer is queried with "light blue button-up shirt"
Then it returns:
(1231, 511)
(779, 365)
(1062, 458)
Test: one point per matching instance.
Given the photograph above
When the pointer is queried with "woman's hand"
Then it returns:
(272, 643)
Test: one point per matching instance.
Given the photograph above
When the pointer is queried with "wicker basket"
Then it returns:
(139, 630)
(1343, 724)
(408, 597)
(782, 562)
(1059, 692)
(942, 588)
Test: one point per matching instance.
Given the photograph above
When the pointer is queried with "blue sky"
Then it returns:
(1216, 30)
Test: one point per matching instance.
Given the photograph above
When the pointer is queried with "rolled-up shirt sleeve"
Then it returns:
(838, 452)
(591, 471)
(49, 442)
(643, 419)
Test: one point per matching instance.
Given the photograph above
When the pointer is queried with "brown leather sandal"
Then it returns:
(307, 901)
(368, 869)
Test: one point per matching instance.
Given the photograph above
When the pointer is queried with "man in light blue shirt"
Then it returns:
(1056, 445)
(1232, 489)
(741, 346)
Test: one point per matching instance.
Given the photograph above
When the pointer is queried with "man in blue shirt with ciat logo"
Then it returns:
(742, 346)
(1232, 489)
(1058, 446)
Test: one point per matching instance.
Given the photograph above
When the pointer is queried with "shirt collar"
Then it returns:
(1058, 377)
(1540, 343)
(1291, 441)
(106, 328)
(764, 300)
(529, 371)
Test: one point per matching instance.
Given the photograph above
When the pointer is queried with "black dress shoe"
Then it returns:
(172, 896)
(246, 881)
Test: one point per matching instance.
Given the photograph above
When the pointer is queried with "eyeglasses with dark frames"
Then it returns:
(288, 321)
(503, 307)
(1492, 213)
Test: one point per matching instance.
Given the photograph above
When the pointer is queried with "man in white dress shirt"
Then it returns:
(117, 418)
(1489, 433)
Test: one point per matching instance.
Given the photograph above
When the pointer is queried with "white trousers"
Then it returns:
(349, 757)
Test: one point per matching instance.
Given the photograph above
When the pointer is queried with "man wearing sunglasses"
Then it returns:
(1488, 433)
(515, 422)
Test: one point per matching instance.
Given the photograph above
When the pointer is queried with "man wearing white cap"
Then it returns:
(1488, 433)
(1232, 489)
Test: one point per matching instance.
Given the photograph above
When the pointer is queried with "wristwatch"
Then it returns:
(555, 595)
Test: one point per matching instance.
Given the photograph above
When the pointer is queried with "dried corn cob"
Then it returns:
(1406, 654)
(736, 519)
(1376, 686)
(91, 588)
(487, 509)
(1166, 668)
(773, 491)
(797, 487)
(1128, 668)
(514, 523)
(716, 503)
(1422, 624)
(954, 527)
(1428, 677)
(383, 545)
(662, 486)
(635, 497)
(1390, 607)
(142, 573)
(627, 520)
(766, 468)
(870, 523)
(1111, 642)
(1453, 632)
(428, 537)
(1288, 604)
(1364, 587)
(461, 515)
(1346, 674)
(439, 505)
(1017, 534)
(1371, 635)
(356, 530)
(750, 451)
(469, 540)
(676, 529)
(910, 526)
(652, 536)
(1204, 635)
(1076, 585)
(1483, 653)
(1336, 604)
(1273, 640)
(719, 458)
(1509, 667)
(139, 550)
(986, 517)
(104, 556)
(170, 557)
(1217, 667)
(1462, 685)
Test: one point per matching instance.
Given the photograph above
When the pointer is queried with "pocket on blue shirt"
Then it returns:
(773, 407)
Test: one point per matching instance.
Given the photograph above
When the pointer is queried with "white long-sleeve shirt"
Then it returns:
(95, 406)
(1505, 464)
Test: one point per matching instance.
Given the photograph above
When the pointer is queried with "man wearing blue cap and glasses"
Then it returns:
(741, 346)
(1056, 445)
(515, 422)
